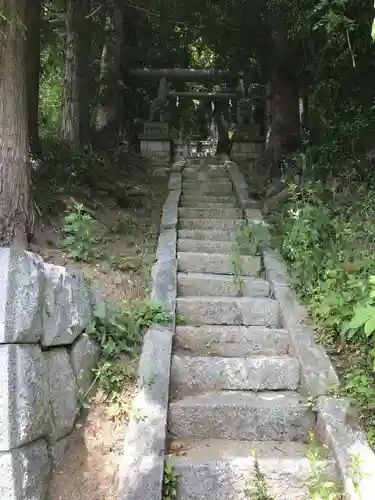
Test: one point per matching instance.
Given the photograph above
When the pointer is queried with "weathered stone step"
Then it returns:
(195, 198)
(221, 224)
(217, 263)
(232, 340)
(261, 416)
(189, 245)
(211, 189)
(262, 373)
(249, 311)
(206, 184)
(205, 176)
(222, 470)
(221, 286)
(210, 213)
(206, 235)
(206, 204)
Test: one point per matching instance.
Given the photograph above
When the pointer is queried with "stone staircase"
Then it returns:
(234, 383)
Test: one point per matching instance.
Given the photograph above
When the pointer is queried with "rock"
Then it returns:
(96, 297)
(24, 472)
(63, 392)
(84, 356)
(57, 451)
(23, 396)
(21, 292)
(67, 307)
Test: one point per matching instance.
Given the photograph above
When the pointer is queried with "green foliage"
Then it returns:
(79, 237)
(327, 237)
(119, 333)
(170, 481)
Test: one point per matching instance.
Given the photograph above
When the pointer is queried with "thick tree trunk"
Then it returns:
(16, 216)
(285, 127)
(34, 9)
(75, 115)
(108, 115)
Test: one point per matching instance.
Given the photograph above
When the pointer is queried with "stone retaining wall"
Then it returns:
(46, 363)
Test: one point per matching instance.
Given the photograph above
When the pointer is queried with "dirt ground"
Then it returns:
(121, 271)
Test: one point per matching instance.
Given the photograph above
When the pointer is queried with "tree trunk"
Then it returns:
(34, 10)
(285, 127)
(75, 115)
(108, 115)
(285, 136)
(16, 215)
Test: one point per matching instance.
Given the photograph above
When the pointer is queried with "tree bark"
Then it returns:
(285, 126)
(75, 116)
(34, 9)
(108, 116)
(16, 215)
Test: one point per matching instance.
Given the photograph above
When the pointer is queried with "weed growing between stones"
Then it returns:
(180, 320)
(256, 487)
(250, 239)
(119, 334)
(236, 262)
(319, 486)
(169, 482)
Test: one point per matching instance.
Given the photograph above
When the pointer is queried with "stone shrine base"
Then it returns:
(159, 150)
(242, 150)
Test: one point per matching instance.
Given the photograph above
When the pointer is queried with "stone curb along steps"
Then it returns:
(142, 466)
(46, 362)
(237, 375)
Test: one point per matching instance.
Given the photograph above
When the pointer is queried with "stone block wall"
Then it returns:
(156, 150)
(46, 362)
(242, 150)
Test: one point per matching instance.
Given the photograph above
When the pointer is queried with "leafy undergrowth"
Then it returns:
(99, 212)
(326, 232)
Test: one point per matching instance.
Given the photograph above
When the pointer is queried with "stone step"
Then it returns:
(206, 235)
(205, 204)
(250, 416)
(210, 213)
(188, 245)
(207, 373)
(231, 341)
(223, 470)
(212, 189)
(220, 224)
(199, 184)
(221, 286)
(249, 311)
(218, 176)
(196, 198)
(218, 263)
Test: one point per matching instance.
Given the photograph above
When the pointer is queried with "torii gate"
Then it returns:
(155, 140)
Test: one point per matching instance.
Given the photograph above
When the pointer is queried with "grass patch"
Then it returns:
(119, 333)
